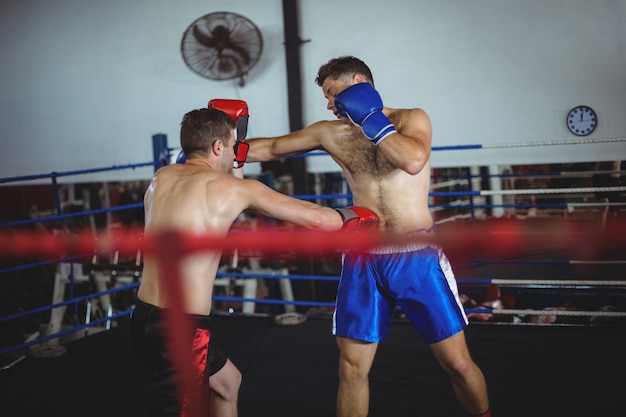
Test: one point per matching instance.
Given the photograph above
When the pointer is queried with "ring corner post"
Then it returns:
(160, 151)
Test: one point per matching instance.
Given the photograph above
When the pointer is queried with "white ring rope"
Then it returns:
(572, 205)
(580, 261)
(575, 174)
(552, 282)
(549, 312)
(551, 191)
(553, 142)
(580, 141)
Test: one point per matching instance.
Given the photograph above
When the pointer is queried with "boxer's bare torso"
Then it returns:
(398, 197)
(203, 198)
(179, 198)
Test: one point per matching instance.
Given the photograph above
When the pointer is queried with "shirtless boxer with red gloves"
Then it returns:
(202, 196)
(385, 157)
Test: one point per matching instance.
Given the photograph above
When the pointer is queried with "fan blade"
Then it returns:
(202, 39)
(242, 52)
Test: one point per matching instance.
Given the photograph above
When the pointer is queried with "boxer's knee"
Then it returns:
(226, 382)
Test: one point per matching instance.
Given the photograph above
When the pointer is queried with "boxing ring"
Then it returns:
(533, 262)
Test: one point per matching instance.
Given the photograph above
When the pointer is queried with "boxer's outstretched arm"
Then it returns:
(283, 207)
(308, 214)
(294, 143)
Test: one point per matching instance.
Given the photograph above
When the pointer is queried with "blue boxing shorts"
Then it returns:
(417, 278)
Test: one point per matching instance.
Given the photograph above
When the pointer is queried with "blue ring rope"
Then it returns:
(278, 276)
(79, 172)
(71, 215)
(67, 331)
(42, 263)
(274, 301)
(69, 302)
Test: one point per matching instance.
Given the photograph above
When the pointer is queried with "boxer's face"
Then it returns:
(331, 87)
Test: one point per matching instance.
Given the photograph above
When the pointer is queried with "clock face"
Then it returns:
(582, 120)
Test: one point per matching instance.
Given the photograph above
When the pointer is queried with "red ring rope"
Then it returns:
(492, 237)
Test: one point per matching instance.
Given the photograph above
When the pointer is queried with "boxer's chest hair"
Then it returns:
(361, 157)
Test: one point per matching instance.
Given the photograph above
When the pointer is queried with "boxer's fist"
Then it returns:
(358, 218)
(237, 109)
(362, 104)
(181, 158)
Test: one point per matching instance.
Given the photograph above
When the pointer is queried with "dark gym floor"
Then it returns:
(292, 371)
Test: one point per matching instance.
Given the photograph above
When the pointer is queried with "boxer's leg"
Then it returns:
(224, 391)
(355, 362)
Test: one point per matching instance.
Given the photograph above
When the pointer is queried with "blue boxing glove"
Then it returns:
(181, 158)
(362, 104)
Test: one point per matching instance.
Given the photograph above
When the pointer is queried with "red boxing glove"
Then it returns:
(233, 108)
(241, 153)
(358, 218)
(237, 109)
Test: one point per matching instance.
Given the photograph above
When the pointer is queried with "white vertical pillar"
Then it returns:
(495, 183)
(476, 185)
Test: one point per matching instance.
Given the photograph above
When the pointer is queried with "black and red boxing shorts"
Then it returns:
(148, 333)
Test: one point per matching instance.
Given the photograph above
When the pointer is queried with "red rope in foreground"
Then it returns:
(169, 256)
(494, 237)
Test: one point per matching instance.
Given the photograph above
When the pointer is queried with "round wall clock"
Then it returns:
(582, 120)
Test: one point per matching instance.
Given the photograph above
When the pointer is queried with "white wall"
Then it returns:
(487, 71)
(86, 83)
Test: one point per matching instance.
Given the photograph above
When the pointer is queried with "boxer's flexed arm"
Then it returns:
(402, 135)
(409, 148)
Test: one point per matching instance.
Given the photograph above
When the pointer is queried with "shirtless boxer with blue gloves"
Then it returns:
(202, 196)
(385, 157)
